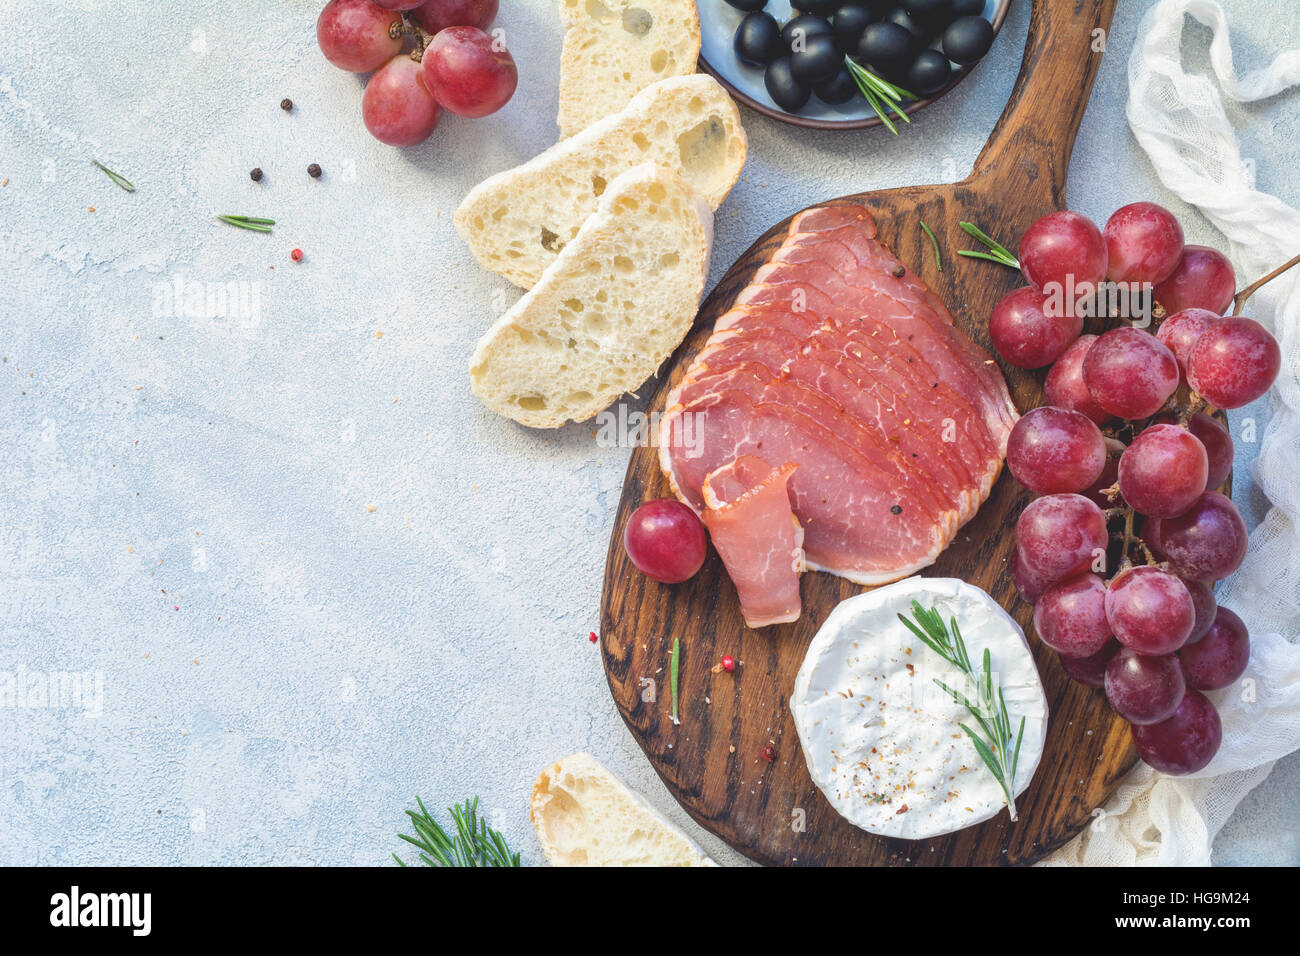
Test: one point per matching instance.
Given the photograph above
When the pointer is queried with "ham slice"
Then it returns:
(751, 524)
(839, 360)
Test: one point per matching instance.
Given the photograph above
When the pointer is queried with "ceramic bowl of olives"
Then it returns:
(803, 61)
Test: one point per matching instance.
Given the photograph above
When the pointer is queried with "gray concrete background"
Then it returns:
(315, 576)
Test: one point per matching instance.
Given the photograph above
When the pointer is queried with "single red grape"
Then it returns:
(1185, 742)
(1070, 617)
(1144, 243)
(1181, 330)
(665, 540)
(1130, 373)
(1207, 542)
(1054, 450)
(1144, 689)
(1219, 658)
(1091, 670)
(1062, 251)
(469, 72)
(355, 34)
(397, 107)
(1059, 536)
(1025, 334)
(1065, 387)
(1149, 610)
(1218, 447)
(1234, 362)
(1203, 279)
(436, 15)
(1163, 471)
(1202, 593)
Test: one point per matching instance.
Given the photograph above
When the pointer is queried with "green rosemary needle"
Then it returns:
(253, 223)
(881, 95)
(934, 243)
(998, 253)
(673, 666)
(990, 712)
(119, 180)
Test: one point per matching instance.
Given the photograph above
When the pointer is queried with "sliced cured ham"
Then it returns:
(837, 359)
(752, 526)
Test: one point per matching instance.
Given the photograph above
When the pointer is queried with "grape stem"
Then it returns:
(414, 30)
(1239, 301)
(1125, 562)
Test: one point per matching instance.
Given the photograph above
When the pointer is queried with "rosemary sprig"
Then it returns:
(121, 181)
(880, 94)
(674, 664)
(990, 712)
(934, 243)
(254, 223)
(999, 253)
(475, 843)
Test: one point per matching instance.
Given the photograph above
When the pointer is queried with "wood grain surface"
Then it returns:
(713, 761)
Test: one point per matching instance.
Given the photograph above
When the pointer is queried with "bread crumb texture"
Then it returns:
(613, 49)
(517, 222)
(587, 816)
(608, 312)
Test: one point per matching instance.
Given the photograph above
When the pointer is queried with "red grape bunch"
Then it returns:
(459, 68)
(1127, 469)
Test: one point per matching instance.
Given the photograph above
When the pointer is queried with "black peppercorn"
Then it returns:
(896, 510)
(256, 175)
(286, 104)
(314, 171)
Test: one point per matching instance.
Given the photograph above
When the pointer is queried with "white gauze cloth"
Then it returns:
(1178, 119)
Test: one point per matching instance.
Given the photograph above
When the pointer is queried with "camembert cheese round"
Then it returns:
(882, 740)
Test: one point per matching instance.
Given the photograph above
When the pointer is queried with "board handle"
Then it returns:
(1031, 143)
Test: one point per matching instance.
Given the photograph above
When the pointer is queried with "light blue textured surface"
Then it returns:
(315, 576)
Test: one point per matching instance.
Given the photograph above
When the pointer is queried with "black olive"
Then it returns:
(838, 89)
(787, 92)
(920, 36)
(819, 60)
(967, 40)
(929, 73)
(798, 31)
(967, 8)
(749, 6)
(928, 8)
(758, 39)
(887, 47)
(818, 8)
(849, 22)
(932, 15)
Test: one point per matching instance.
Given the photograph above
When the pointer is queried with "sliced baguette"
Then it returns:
(607, 312)
(586, 816)
(613, 49)
(517, 221)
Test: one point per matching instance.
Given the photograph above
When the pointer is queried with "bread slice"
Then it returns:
(608, 311)
(613, 49)
(586, 816)
(517, 221)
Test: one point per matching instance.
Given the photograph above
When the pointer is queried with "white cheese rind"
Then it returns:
(878, 736)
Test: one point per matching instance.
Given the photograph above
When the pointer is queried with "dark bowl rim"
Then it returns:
(812, 122)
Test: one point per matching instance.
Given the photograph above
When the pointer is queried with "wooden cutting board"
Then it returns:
(713, 761)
